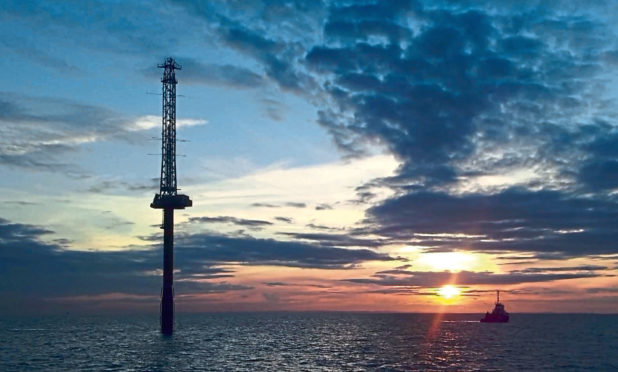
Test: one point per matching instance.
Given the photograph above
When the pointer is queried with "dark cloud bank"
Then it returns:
(456, 90)
(32, 267)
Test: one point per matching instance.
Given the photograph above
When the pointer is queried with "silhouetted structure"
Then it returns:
(168, 198)
(498, 315)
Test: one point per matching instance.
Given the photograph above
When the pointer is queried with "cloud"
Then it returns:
(437, 279)
(284, 284)
(321, 227)
(196, 72)
(341, 240)
(277, 61)
(267, 191)
(34, 267)
(456, 83)
(24, 48)
(546, 222)
(40, 131)
(252, 251)
(441, 86)
(274, 109)
(602, 290)
(286, 204)
(264, 205)
(461, 94)
(101, 186)
(276, 284)
(231, 220)
(152, 121)
(20, 202)
(94, 25)
(275, 41)
(560, 269)
(295, 205)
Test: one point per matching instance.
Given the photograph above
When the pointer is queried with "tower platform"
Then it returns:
(171, 201)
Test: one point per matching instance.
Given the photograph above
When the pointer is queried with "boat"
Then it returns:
(498, 315)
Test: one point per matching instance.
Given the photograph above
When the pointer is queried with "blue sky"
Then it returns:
(340, 155)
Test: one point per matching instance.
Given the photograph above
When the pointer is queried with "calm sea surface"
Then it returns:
(310, 342)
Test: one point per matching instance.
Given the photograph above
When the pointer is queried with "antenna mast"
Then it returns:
(168, 198)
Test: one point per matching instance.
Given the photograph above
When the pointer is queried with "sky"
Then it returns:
(340, 155)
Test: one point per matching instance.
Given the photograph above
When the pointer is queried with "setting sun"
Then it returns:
(448, 292)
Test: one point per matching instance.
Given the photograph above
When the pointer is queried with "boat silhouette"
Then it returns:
(498, 315)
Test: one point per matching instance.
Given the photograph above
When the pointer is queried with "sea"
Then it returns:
(312, 341)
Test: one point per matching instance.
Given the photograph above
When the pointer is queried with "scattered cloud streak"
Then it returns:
(438, 279)
(254, 251)
(40, 131)
(231, 220)
(196, 72)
